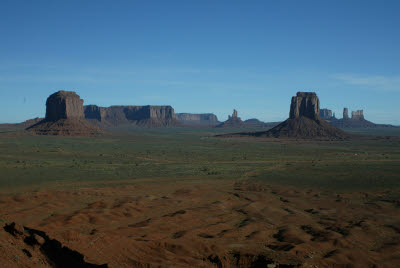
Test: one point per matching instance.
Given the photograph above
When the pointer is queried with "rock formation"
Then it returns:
(304, 104)
(326, 114)
(233, 122)
(357, 115)
(345, 113)
(356, 120)
(197, 119)
(234, 114)
(304, 122)
(64, 116)
(26, 247)
(143, 116)
(64, 105)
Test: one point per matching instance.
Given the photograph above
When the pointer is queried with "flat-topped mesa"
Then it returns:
(146, 116)
(64, 105)
(305, 104)
(357, 115)
(345, 113)
(197, 119)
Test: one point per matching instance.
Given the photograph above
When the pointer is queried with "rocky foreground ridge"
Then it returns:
(25, 247)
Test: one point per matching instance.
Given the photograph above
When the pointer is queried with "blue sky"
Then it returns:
(202, 56)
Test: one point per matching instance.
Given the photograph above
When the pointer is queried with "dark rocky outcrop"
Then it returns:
(39, 250)
(197, 119)
(345, 113)
(233, 122)
(304, 122)
(64, 116)
(142, 116)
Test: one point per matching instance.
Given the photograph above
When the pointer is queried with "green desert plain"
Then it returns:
(130, 154)
(178, 196)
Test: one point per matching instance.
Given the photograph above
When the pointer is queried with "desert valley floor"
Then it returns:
(181, 197)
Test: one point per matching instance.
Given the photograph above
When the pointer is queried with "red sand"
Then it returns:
(209, 224)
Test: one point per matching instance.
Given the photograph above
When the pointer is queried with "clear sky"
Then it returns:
(202, 56)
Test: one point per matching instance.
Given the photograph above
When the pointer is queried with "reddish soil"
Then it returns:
(65, 127)
(199, 223)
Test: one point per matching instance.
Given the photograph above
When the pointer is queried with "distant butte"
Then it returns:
(64, 117)
(304, 122)
(233, 122)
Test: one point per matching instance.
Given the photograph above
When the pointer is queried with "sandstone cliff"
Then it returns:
(197, 119)
(64, 116)
(143, 116)
(63, 105)
(304, 104)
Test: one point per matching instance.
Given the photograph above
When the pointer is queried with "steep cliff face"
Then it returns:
(305, 104)
(64, 116)
(145, 116)
(64, 105)
(345, 113)
(197, 119)
(93, 112)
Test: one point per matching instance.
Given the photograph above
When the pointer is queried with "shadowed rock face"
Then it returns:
(305, 104)
(345, 113)
(146, 116)
(64, 105)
